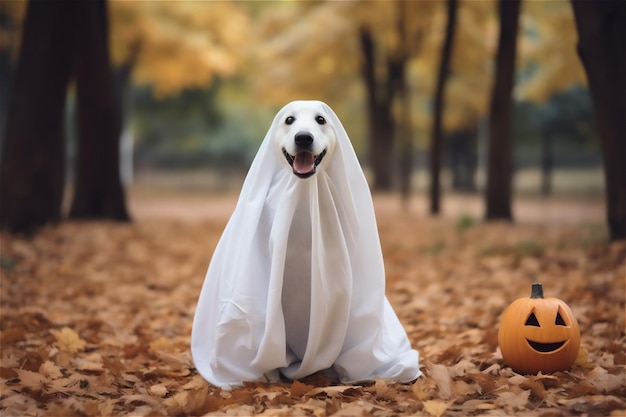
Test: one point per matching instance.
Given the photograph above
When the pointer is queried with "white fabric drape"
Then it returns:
(246, 313)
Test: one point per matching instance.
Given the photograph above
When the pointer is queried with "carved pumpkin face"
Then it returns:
(538, 334)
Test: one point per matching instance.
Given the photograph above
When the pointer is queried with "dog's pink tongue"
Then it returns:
(303, 162)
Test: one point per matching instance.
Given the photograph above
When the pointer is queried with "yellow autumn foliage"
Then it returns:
(288, 50)
(181, 44)
(550, 44)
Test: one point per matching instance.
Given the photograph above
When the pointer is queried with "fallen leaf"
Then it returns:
(435, 408)
(313, 407)
(487, 382)
(331, 391)
(50, 370)
(298, 389)
(604, 381)
(356, 408)
(135, 401)
(162, 344)
(158, 390)
(30, 380)
(67, 340)
(439, 374)
(286, 411)
(196, 382)
(91, 362)
(461, 389)
(535, 386)
(582, 359)
(380, 387)
(424, 389)
(512, 400)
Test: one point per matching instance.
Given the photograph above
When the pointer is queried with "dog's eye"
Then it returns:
(320, 120)
(289, 120)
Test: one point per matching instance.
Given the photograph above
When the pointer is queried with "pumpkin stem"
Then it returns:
(536, 290)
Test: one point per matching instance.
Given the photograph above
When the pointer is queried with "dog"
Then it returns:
(305, 138)
(296, 284)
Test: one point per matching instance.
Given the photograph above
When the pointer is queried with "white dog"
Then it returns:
(305, 138)
(296, 284)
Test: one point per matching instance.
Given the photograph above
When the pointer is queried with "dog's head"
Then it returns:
(305, 137)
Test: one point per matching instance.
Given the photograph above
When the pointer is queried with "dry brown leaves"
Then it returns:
(96, 320)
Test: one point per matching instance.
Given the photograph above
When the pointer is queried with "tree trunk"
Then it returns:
(400, 91)
(405, 161)
(384, 141)
(499, 158)
(436, 145)
(547, 162)
(602, 50)
(7, 72)
(463, 160)
(98, 191)
(33, 158)
(379, 117)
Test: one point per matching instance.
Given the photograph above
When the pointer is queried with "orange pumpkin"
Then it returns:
(538, 334)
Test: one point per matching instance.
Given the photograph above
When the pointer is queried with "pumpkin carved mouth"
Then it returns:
(545, 347)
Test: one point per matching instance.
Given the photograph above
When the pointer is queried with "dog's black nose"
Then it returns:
(303, 139)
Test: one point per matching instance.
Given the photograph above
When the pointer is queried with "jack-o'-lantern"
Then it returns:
(538, 334)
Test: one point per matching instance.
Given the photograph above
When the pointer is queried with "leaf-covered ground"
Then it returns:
(96, 317)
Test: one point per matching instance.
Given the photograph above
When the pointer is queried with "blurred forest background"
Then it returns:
(105, 97)
(459, 110)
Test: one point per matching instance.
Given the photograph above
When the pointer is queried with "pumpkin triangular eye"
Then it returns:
(559, 320)
(532, 321)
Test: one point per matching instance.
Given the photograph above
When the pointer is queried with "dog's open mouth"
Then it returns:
(304, 163)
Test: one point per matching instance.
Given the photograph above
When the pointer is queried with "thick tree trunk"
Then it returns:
(436, 145)
(6, 80)
(602, 50)
(33, 158)
(379, 117)
(499, 158)
(98, 191)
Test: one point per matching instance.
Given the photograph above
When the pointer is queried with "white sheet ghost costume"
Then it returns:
(296, 284)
